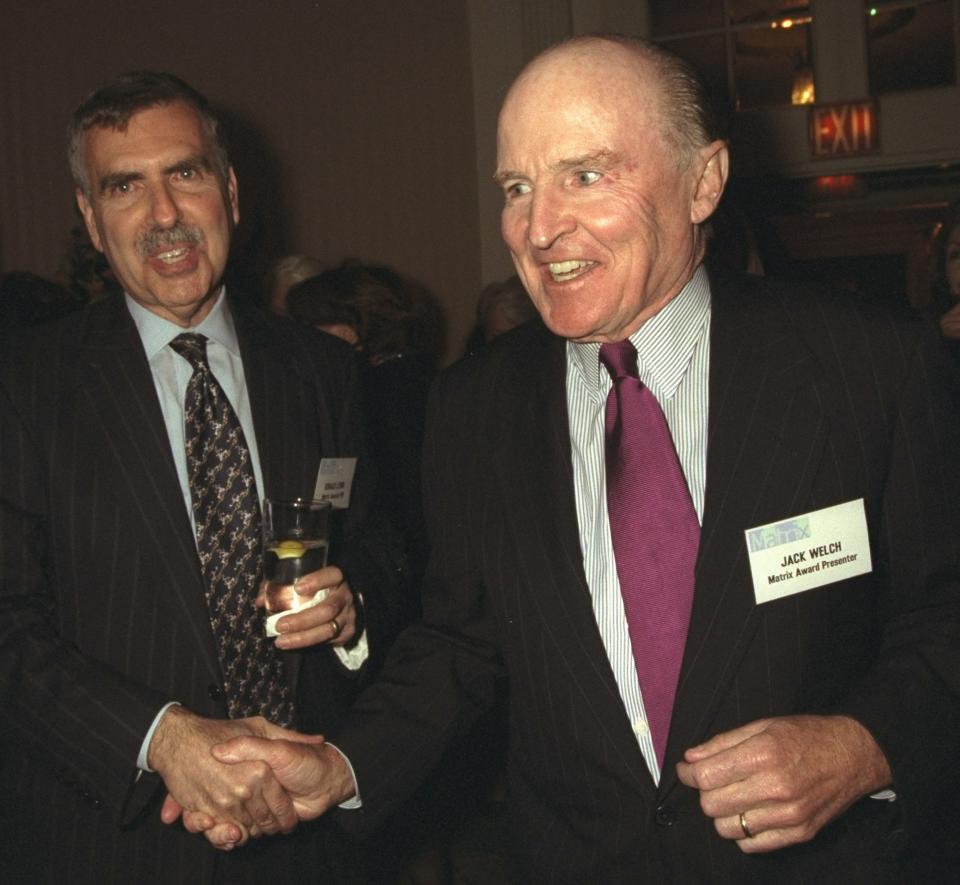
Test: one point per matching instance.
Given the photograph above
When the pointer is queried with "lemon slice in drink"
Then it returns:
(288, 549)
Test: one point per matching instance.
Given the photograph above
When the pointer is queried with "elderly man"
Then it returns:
(136, 439)
(724, 594)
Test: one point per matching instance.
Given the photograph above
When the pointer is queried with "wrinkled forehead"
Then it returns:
(603, 79)
(161, 133)
(565, 100)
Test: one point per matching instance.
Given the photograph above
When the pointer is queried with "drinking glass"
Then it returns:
(296, 533)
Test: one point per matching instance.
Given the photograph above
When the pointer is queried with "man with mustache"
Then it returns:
(705, 527)
(136, 441)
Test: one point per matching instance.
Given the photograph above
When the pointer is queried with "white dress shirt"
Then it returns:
(673, 357)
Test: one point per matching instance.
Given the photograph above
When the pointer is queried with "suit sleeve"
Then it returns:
(82, 718)
(441, 673)
(910, 700)
(371, 553)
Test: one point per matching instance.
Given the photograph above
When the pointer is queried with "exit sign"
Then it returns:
(843, 130)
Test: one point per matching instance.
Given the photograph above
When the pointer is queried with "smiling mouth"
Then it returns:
(561, 271)
(172, 256)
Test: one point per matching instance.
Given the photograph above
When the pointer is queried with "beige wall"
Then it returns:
(355, 121)
(368, 125)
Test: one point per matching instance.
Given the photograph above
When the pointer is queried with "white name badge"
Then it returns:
(803, 552)
(335, 480)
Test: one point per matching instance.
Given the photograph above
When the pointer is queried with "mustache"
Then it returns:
(165, 238)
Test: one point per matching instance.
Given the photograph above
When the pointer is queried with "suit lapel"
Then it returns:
(766, 435)
(536, 476)
(118, 424)
(291, 431)
(290, 420)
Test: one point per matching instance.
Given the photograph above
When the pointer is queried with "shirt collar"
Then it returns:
(156, 332)
(665, 343)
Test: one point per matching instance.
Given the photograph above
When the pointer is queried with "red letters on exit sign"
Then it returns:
(840, 130)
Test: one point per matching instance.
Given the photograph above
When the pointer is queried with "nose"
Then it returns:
(163, 206)
(549, 219)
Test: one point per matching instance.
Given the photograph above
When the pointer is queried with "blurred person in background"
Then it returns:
(945, 293)
(287, 272)
(503, 306)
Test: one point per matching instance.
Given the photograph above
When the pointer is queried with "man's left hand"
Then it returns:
(330, 622)
(781, 780)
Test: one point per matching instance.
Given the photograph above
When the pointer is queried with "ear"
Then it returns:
(232, 195)
(712, 165)
(86, 210)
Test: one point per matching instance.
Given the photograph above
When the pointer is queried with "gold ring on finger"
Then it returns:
(743, 826)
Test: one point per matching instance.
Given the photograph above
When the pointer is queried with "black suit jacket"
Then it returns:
(813, 402)
(103, 612)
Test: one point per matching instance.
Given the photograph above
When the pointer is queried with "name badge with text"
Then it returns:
(335, 481)
(808, 551)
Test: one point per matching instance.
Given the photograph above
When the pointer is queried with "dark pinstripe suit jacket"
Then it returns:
(813, 402)
(103, 613)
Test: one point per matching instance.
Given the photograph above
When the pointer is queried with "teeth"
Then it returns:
(566, 270)
(172, 256)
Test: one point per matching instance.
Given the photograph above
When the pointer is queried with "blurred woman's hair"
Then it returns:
(502, 306)
(285, 273)
(373, 300)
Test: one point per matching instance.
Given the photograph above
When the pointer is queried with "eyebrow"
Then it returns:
(601, 157)
(193, 161)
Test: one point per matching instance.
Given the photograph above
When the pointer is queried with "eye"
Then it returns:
(516, 189)
(187, 173)
(587, 177)
(123, 188)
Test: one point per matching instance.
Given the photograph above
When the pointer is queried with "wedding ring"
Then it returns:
(336, 631)
(743, 826)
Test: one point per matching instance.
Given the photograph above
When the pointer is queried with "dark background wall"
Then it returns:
(352, 122)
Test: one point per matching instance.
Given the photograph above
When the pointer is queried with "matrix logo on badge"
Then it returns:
(779, 533)
(808, 550)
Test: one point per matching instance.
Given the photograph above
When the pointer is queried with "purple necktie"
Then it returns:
(655, 534)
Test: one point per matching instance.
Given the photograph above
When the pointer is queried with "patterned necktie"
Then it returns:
(227, 516)
(655, 534)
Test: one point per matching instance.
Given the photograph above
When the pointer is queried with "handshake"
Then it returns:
(234, 780)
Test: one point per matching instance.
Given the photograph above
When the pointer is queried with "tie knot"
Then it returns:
(620, 359)
(192, 347)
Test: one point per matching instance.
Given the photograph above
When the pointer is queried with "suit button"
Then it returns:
(215, 692)
(664, 816)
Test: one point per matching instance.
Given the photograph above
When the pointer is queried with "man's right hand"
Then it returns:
(314, 775)
(248, 796)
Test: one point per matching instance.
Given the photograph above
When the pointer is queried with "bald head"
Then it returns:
(627, 74)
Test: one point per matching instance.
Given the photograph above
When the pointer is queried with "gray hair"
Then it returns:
(112, 106)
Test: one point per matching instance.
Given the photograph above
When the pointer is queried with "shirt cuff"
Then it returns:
(145, 746)
(354, 658)
(354, 802)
